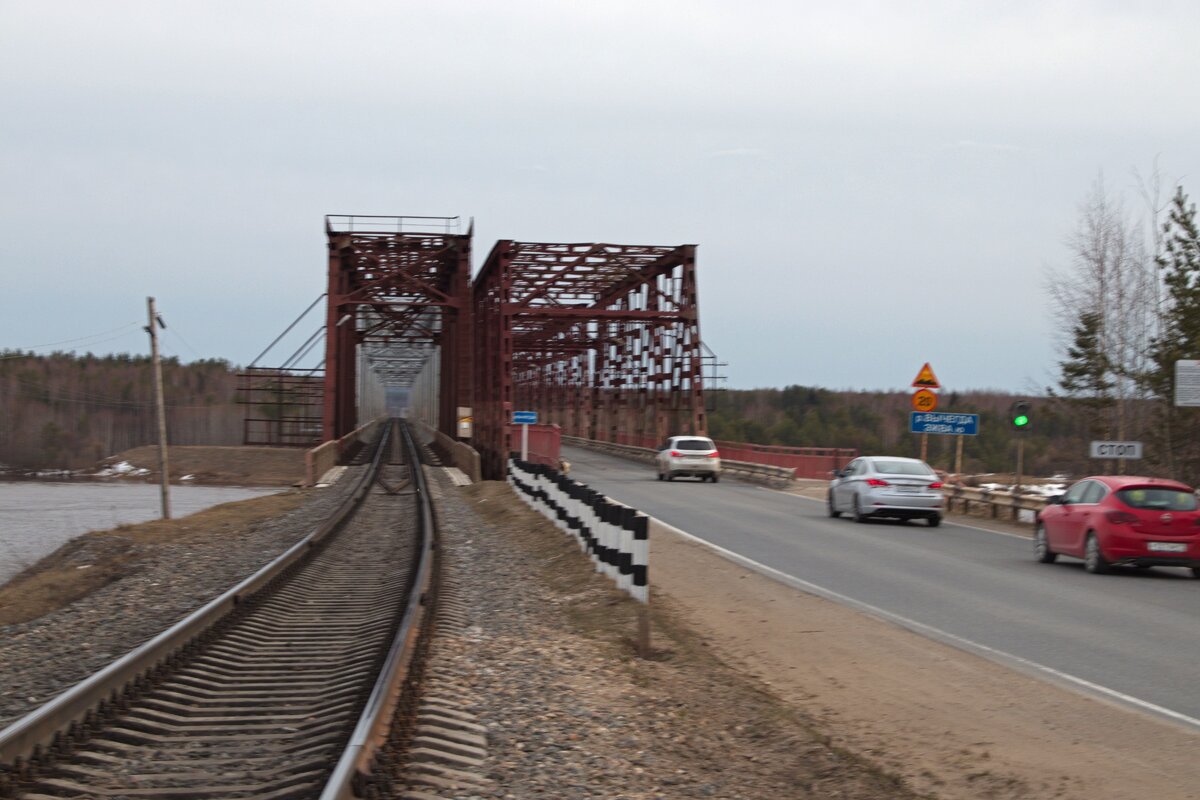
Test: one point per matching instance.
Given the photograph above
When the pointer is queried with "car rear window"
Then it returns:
(902, 468)
(1156, 498)
(695, 444)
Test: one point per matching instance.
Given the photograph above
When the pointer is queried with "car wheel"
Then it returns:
(1196, 572)
(670, 476)
(660, 476)
(1041, 546)
(715, 477)
(833, 512)
(1093, 560)
(933, 520)
(858, 515)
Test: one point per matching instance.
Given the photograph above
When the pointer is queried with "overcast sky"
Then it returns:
(871, 185)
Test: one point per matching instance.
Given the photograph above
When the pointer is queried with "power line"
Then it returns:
(89, 336)
(84, 398)
(32, 354)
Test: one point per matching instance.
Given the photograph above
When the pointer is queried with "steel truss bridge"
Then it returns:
(602, 340)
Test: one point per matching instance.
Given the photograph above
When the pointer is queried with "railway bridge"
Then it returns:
(602, 340)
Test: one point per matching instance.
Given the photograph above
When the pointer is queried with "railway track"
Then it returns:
(284, 687)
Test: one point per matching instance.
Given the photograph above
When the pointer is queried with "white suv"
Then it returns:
(696, 456)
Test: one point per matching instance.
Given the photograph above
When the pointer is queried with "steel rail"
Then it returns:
(371, 732)
(28, 738)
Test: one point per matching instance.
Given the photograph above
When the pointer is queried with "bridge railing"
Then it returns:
(994, 503)
(325, 457)
(761, 473)
(808, 462)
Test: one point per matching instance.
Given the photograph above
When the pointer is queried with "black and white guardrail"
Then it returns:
(616, 536)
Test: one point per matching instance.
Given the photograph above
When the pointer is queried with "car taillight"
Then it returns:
(676, 454)
(876, 482)
(714, 454)
(935, 485)
(1120, 517)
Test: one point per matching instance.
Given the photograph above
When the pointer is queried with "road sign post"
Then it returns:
(1116, 450)
(1187, 382)
(944, 422)
(525, 419)
(924, 399)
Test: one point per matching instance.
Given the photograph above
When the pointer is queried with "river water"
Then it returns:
(37, 516)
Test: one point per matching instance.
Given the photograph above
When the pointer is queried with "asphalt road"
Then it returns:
(1130, 636)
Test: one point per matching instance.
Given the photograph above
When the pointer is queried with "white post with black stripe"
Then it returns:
(615, 536)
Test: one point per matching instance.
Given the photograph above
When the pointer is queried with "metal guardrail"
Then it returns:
(994, 503)
(760, 473)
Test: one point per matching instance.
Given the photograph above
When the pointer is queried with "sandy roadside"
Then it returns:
(951, 723)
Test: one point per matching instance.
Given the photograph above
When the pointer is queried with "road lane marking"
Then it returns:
(991, 653)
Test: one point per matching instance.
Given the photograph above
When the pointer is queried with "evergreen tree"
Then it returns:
(1086, 378)
(1179, 337)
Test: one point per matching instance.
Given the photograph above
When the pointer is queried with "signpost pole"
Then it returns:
(924, 446)
(524, 419)
(958, 456)
(1020, 464)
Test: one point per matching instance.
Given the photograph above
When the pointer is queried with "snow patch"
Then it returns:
(122, 469)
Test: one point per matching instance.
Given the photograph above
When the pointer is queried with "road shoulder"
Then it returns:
(950, 723)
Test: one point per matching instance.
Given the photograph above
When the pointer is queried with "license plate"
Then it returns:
(1167, 547)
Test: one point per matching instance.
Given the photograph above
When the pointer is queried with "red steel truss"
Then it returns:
(398, 290)
(600, 339)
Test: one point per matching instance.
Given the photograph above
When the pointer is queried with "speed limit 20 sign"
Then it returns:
(924, 400)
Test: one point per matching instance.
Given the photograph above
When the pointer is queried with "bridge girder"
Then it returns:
(601, 339)
(399, 288)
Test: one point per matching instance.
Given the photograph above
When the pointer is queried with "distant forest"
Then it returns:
(68, 411)
(64, 411)
(1056, 441)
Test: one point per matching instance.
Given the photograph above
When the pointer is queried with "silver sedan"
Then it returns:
(887, 486)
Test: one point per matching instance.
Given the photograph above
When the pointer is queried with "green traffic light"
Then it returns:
(1020, 420)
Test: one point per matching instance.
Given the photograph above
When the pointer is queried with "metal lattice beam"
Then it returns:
(601, 339)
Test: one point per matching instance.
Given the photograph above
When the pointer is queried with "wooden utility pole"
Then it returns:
(163, 467)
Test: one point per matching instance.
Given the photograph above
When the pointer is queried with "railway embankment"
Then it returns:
(753, 689)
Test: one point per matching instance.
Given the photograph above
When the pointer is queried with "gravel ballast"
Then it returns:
(41, 658)
(545, 664)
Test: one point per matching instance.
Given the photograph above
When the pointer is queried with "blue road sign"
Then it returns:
(944, 422)
(524, 418)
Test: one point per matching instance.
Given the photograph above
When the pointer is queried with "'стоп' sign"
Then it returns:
(1116, 449)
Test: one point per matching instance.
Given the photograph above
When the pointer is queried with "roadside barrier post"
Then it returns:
(615, 536)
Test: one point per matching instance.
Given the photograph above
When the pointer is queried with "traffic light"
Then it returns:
(1019, 416)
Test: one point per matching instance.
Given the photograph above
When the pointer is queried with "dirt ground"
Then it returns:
(872, 704)
(950, 723)
(60, 579)
(228, 466)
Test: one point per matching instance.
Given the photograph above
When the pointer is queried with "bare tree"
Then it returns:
(1110, 286)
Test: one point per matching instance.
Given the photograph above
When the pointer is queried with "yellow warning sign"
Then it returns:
(926, 379)
(924, 400)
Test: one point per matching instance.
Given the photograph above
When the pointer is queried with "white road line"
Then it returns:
(937, 633)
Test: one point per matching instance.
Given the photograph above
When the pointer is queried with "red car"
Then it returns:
(1112, 520)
